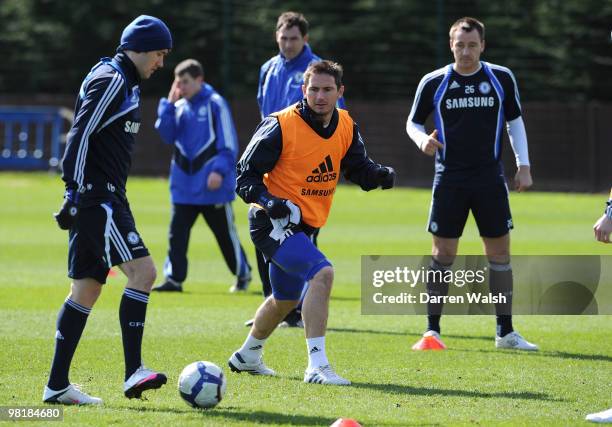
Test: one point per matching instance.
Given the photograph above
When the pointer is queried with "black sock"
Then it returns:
(501, 283)
(132, 313)
(70, 324)
(436, 286)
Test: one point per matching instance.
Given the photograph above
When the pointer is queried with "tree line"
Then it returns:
(560, 50)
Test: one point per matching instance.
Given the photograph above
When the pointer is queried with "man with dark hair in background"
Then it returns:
(198, 122)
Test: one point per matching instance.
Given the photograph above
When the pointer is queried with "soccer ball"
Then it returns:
(202, 384)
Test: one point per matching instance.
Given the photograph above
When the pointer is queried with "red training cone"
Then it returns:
(429, 342)
(345, 422)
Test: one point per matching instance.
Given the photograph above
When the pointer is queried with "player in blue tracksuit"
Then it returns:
(280, 85)
(103, 233)
(281, 78)
(198, 122)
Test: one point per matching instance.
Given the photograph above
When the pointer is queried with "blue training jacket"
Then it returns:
(280, 81)
(203, 134)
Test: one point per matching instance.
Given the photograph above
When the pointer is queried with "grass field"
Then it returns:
(471, 383)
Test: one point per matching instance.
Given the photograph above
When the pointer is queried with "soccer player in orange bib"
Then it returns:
(289, 173)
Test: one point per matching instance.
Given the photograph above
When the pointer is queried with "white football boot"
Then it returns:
(238, 364)
(514, 341)
(602, 417)
(71, 395)
(324, 375)
(141, 380)
(285, 324)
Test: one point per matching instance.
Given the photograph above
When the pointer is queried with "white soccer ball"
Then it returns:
(202, 384)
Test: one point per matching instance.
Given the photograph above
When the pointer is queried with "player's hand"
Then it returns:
(275, 207)
(175, 92)
(522, 179)
(385, 177)
(431, 144)
(281, 226)
(295, 216)
(69, 211)
(214, 181)
(602, 229)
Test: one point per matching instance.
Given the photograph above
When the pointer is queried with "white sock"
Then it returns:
(316, 352)
(252, 348)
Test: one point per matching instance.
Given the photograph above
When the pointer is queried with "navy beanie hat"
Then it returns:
(144, 34)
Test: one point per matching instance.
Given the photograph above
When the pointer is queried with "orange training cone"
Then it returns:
(429, 343)
(345, 422)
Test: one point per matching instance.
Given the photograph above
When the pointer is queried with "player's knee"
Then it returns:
(141, 273)
(325, 276)
(497, 249)
(443, 257)
(148, 277)
(85, 292)
(443, 251)
(144, 277)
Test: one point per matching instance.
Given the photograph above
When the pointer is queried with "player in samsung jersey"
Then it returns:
(280, 85)
(289, 173)
(471, 101)
(102, 233)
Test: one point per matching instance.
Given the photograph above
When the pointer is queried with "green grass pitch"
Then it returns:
(471, 383)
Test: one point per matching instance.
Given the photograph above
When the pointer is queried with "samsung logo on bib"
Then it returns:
(471, 102)
(131, 127)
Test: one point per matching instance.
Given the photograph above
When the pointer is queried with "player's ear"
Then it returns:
(306, 38)
(482, 46)
(341, 91)
(304, 90)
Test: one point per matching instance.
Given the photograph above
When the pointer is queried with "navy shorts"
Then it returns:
(294, 259)
(103, 235)
(450, 207)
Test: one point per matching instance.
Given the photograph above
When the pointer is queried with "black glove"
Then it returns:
(385, 176)
(274, 206)
(69, 211)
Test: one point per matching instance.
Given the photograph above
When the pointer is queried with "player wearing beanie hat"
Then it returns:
(146, 40)
(144, 34)
(102, 230)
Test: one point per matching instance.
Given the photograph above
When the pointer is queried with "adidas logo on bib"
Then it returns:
(323, 173)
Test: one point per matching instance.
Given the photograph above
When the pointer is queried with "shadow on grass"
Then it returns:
(430, 391)
(232, 413)
(408, 334)
(424, 391)
(557, 354)
(364, 331)
(566, 355)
